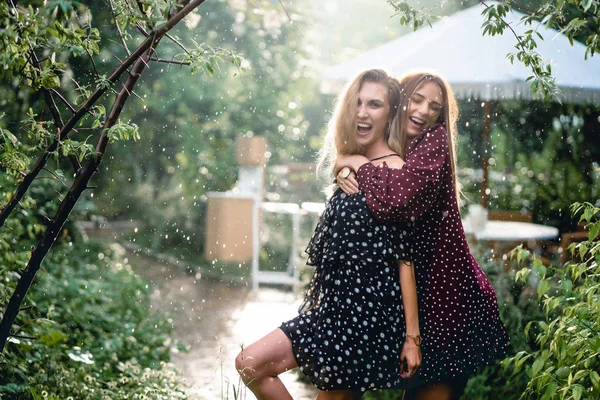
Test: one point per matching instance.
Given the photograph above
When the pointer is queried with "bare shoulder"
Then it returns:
(392, 162)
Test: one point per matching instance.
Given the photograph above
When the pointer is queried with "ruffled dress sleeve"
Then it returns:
(407, 193)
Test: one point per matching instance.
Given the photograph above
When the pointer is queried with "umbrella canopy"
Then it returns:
(476, 66)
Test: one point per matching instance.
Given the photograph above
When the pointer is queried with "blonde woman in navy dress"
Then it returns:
(458, 309)
(361, 305)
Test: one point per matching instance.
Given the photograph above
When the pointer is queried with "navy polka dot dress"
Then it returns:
(458, 310)
(350, 330)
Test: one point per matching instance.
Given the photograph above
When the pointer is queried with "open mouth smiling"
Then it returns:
(363, 127)
(418, 121)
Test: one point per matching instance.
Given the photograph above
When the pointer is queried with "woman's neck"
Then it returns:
(378, 150)
(409, 140)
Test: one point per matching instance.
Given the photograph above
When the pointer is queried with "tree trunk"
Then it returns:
(82, 180)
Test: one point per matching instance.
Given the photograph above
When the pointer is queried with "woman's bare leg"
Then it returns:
(260, 364)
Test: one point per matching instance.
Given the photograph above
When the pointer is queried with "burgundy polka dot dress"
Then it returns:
(350, 330)
(458, 309)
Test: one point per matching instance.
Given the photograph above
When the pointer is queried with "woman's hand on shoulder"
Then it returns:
(346, 180)
(345, 169)
(352, 161)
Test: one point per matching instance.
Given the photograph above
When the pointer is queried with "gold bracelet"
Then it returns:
(416, 338)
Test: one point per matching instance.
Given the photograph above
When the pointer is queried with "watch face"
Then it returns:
(346, 172)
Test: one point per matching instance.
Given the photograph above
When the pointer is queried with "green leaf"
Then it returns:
(562, 372)
(50, 81)
(53, 337)
(580, 374)
(570, 379)
(588, 213)
(594, 230)
(577, 392)
(566, 285)
(7, 136)
(522, 275)
(595, 378)
(543, 288)
(520, 358)
(65, 5)
(583, 248)
(540, 269)
(122, 131)
(550, 391)
(537, 366)
(586, 4)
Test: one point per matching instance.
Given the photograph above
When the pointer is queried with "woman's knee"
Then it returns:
(246, 368)
(267, 357)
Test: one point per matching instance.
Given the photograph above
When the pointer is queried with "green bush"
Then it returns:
(86, 329)
(566, 364)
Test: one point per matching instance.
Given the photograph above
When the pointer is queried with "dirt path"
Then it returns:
(213, 320)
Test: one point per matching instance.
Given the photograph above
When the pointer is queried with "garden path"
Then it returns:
(213, 319)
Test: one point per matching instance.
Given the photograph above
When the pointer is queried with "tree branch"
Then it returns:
(64, 101)
(55, 176)
(81, 181)
(87, 105)
(506, 24)
(289, 17)
(522, 47)
(24, 337)
(160, 60)
(120, 100)
(178, 43)
(112, 9)
(93, 63)
(58, 122)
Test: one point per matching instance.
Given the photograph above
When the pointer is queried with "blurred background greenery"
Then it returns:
(544, 157)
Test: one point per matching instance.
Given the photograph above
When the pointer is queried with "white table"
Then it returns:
(501, 236)
(511, 231)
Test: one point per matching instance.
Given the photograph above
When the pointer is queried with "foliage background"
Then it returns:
(88, 330)
(545, 158)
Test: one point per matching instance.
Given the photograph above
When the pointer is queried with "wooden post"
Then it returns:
(487, 127)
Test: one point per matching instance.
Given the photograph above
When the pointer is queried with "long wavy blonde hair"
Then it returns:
(448, 117)
(341, 129)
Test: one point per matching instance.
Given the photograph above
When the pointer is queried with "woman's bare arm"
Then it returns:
(349, 183)
(407, 193)
(410, 357)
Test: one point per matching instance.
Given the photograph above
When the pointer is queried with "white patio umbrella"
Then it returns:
(476, 66)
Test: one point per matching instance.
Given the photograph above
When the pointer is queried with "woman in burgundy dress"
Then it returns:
(349, 336)
(458, 310)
